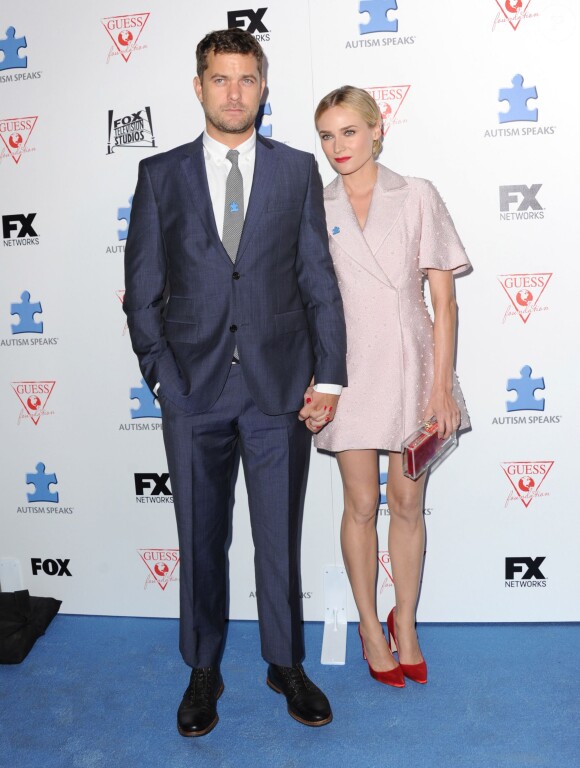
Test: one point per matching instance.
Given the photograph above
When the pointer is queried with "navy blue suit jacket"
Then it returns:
(187, 306)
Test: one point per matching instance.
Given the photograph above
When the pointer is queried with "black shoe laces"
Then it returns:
(297, 679)
(201, 686)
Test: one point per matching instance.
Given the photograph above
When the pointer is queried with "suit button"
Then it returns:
(233, 328)
(236, 275)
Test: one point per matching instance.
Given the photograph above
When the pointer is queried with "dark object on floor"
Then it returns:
(23, 619)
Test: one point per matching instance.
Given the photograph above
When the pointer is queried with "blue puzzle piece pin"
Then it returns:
(377, 11)
(10, 47)
(335, 230)
(26, 311)
(525, 387)
(517, 97)
(234, 207)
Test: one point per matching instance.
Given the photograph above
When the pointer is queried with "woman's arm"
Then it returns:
(441, 403)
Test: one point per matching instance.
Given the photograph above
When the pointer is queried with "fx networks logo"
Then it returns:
(43, 493)
(12, 56)
(161, 564)
(17, 229)
(524, 572)
(151, 488)
(526, 479)
(525, 388)
(132, 130)
(147, 408)
(524, 292)
(57, 567)
(517, 98)
(15, 132)
(518, 201)
(512, 12)
(385, 563)
(125, 31)
(389, 99)
(252, 21)
(375, 18)
(33, 396)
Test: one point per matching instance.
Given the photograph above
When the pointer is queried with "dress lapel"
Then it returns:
(386, 206)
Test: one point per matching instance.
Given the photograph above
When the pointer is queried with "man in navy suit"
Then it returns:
(231, 330)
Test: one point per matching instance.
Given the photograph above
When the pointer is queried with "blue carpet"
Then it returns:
(99, 691)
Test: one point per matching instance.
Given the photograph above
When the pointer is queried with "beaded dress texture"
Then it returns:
(381, 275)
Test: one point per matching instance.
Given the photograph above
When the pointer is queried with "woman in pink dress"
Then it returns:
(387, 234)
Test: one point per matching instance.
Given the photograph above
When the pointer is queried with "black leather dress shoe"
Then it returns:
(197, 713)
(306, 702)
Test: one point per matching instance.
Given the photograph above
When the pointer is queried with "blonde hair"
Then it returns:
(360, 102)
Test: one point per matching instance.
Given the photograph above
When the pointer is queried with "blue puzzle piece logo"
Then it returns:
(517, 97)
(41, 481)
(148, 407)
(26, 311)
(264, 130)
(525, 387)
(234, 207)
(335, 230)
(377, 11)
(124, 214)
(383, 476)
(10, 47)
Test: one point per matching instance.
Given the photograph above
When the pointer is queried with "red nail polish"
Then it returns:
(327, 418)
(330, 408)
(308, 399)
(325, 407)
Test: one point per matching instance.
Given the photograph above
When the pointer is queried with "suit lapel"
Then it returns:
(193, 165)
(262, 184)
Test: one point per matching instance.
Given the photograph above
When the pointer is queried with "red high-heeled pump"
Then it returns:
(392, 677)
(415, 672)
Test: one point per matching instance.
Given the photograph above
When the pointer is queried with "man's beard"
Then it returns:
(232, 125)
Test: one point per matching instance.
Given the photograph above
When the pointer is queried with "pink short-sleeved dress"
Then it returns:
(380, 271)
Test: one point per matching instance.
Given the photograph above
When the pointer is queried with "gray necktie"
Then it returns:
(234, 207)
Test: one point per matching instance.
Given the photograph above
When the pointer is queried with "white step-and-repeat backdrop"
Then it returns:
(479, 97)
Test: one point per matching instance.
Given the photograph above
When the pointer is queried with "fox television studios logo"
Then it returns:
(132, 130)
(511, 13)
(377, 19)
(251, 20)
(125, 32)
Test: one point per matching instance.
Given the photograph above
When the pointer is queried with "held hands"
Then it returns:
(319, 409)
(442, 405)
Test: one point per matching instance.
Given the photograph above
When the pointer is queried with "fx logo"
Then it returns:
(515, 565)
(56, 567)
(521, 195)
(255, 23)
(147, 480)
(18, 221)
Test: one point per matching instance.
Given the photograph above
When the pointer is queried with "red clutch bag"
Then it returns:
(423, 448)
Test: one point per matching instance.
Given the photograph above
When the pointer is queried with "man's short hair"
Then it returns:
(228, 41)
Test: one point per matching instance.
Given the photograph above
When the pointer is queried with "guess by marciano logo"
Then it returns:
(512, 12)
(389, 99)
(125, 31)
(524, 291)
(15, 133)
(526, 479)
(33, 396)
(161, 565)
